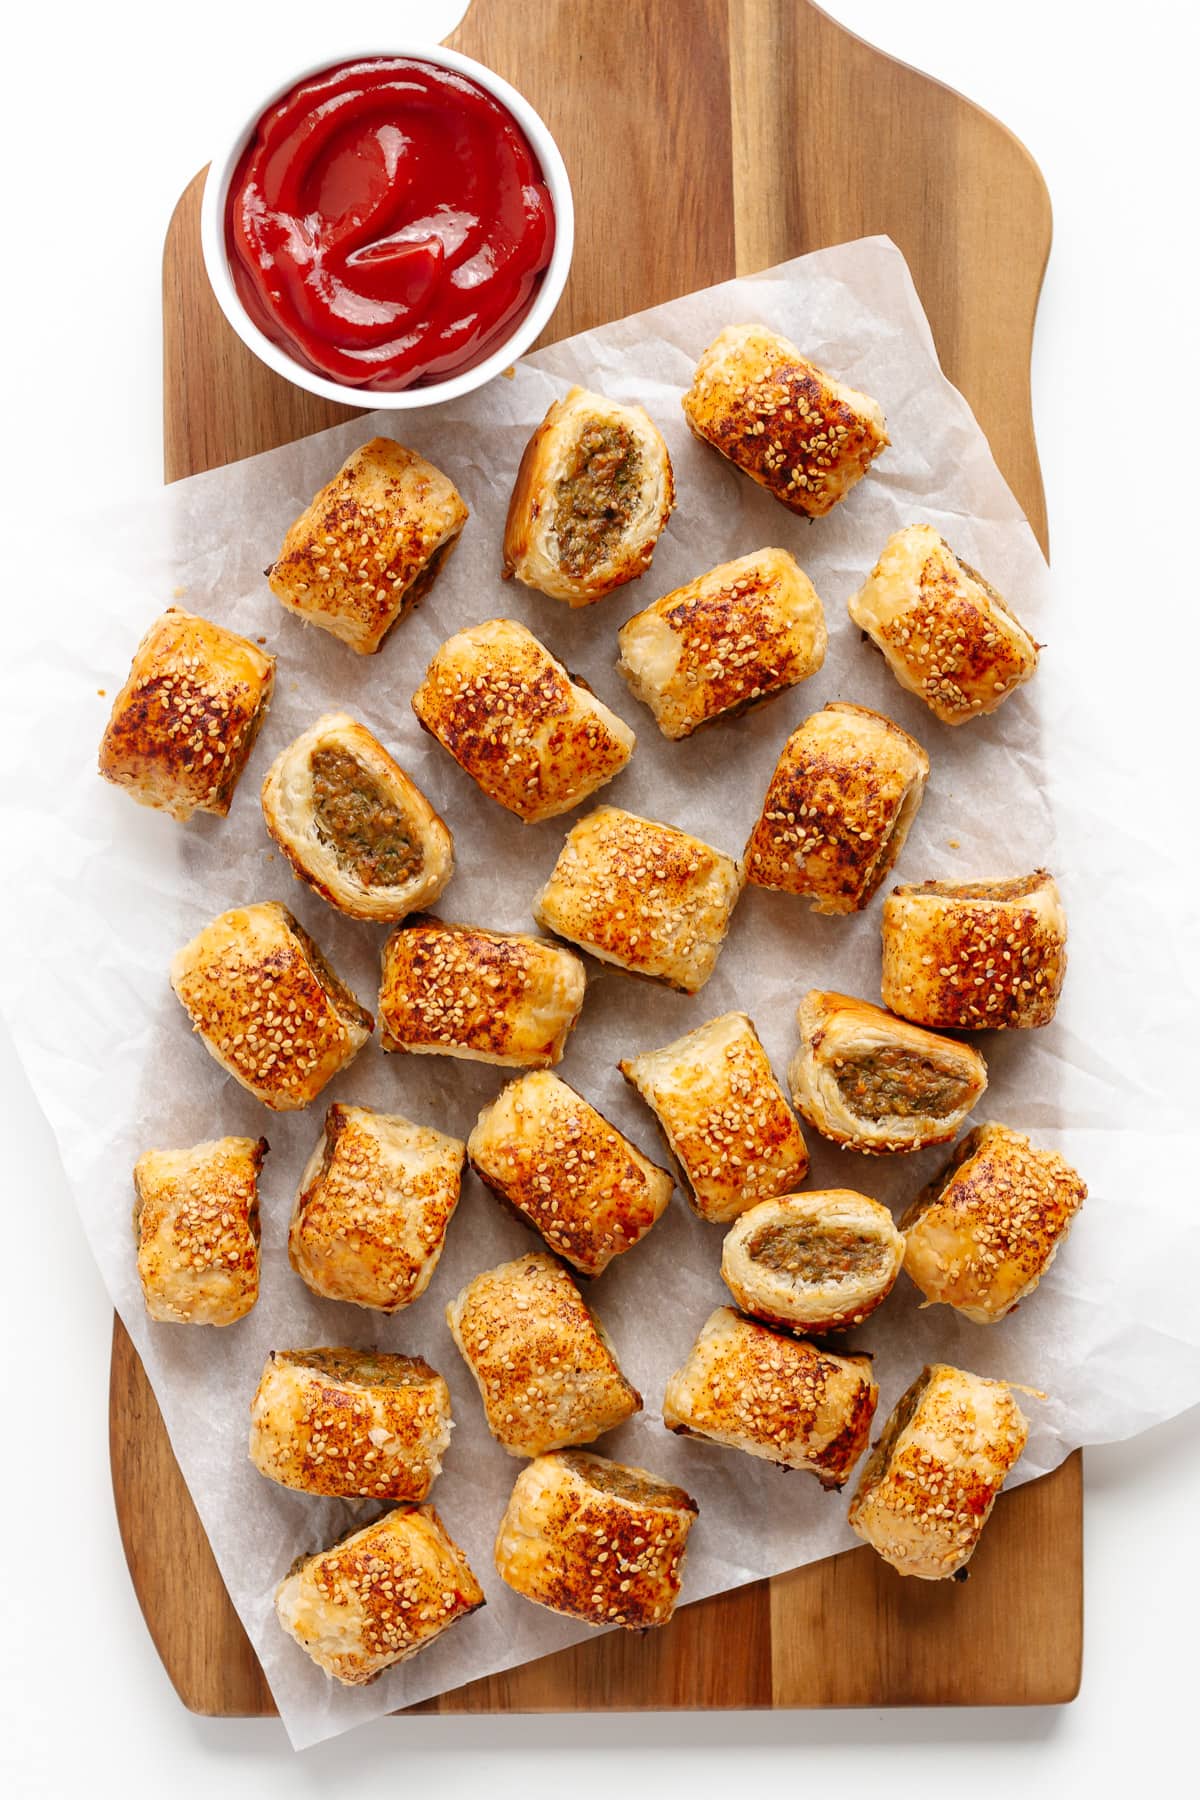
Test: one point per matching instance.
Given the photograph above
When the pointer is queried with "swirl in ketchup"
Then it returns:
(388, 223)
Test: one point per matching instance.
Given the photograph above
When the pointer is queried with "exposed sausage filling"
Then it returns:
(881, 1084)
(625, 1483)
(596, 497)
(359, 823)
(817, 1253)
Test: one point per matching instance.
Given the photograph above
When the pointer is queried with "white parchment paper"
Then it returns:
(109, 891)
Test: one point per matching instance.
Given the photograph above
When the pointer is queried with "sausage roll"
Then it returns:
(595, 1539)
(195, 1222)
(738, 635)
(641, 895)
(773, 1396)
(975, 954)
(945, 632)
(379, 1596)
(512, 717)
(724, 1116)
(352, 824)
(485, 996)
(873, 1083)
(983, 1233)
(566, 1171)
(350, 1422)
(267, 1006)
(182, 728)
(371, 1213)
(798, 432)
(593, 494)
(927, 1489)
(844, 793)
(546, 1371)
(813, 1262)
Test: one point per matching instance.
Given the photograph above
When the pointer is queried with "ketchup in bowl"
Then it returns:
(388, 223)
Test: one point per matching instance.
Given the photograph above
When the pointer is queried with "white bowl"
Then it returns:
(216, 259)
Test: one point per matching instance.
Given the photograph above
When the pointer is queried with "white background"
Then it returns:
(106, 113)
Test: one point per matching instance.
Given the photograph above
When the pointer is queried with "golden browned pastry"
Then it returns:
(379, 1596)
(566, 1171)
(927, 1489)
(371, 544)
(512, 717)
(592, 496)
(946, 634)
(195, 1222)
(975, 955)
(813, 1262)
(374, 1202)
(267, 1006)
(644, 896)
(983, 1233)
(844, 793)
(773, 1396)
(546, 1371)
(182, 728)
(724, 1116)
(800, 433)
(874, 1083)
(350, 1422)
(595, 1539)
(738, 635)
(486, 996)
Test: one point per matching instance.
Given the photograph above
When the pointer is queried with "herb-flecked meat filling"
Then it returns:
(814, 1253)
(884, 1084)
(359, 823)
(597, 497)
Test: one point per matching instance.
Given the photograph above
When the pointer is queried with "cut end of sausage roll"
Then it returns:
(196, 1226)
(975, 955)
(813, 1262)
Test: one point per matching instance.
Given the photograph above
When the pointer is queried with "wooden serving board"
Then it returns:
(704, 138)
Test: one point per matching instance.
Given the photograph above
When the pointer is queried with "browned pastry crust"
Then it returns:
(975, 955)
(815, 1262)
(196, 1225)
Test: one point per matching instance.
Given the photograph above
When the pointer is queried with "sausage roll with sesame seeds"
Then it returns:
(379, 1596)
(844, 793)
(371, 1212)
(931, 1481)
(724, 1116)
(546, 1371)
(370, 546)
(975, 955)
(182, 728)
(593, 494)
(984, 1231)
(566, 1171)
(813, 1262)
(800, 433)
(596, 1540)
(533, 738)
(267, 1006)
(945, 633)
(196, 1225)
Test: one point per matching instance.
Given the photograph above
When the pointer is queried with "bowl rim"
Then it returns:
(212, 238)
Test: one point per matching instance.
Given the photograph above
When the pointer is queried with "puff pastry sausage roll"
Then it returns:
(773, 1396)
(511, 716)
(195, 1221)
(592, 496)
(644, 896)
(371, 1213)
(182, 728)
(738, 635)
(945, 632)
(983, 1233)
(873, 1083)
(352, 824)
(546, 1371)
(796, 431)
(566, 1171)
(844, 793)
(486, 996)
(596, 1540)
(267, 1006)
(379, 1596)
(975, 954)
(927, 1489)
(814, 1262)
(350, 1422)
(724, 1116)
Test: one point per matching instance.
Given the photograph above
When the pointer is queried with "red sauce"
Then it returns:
(388, 223)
